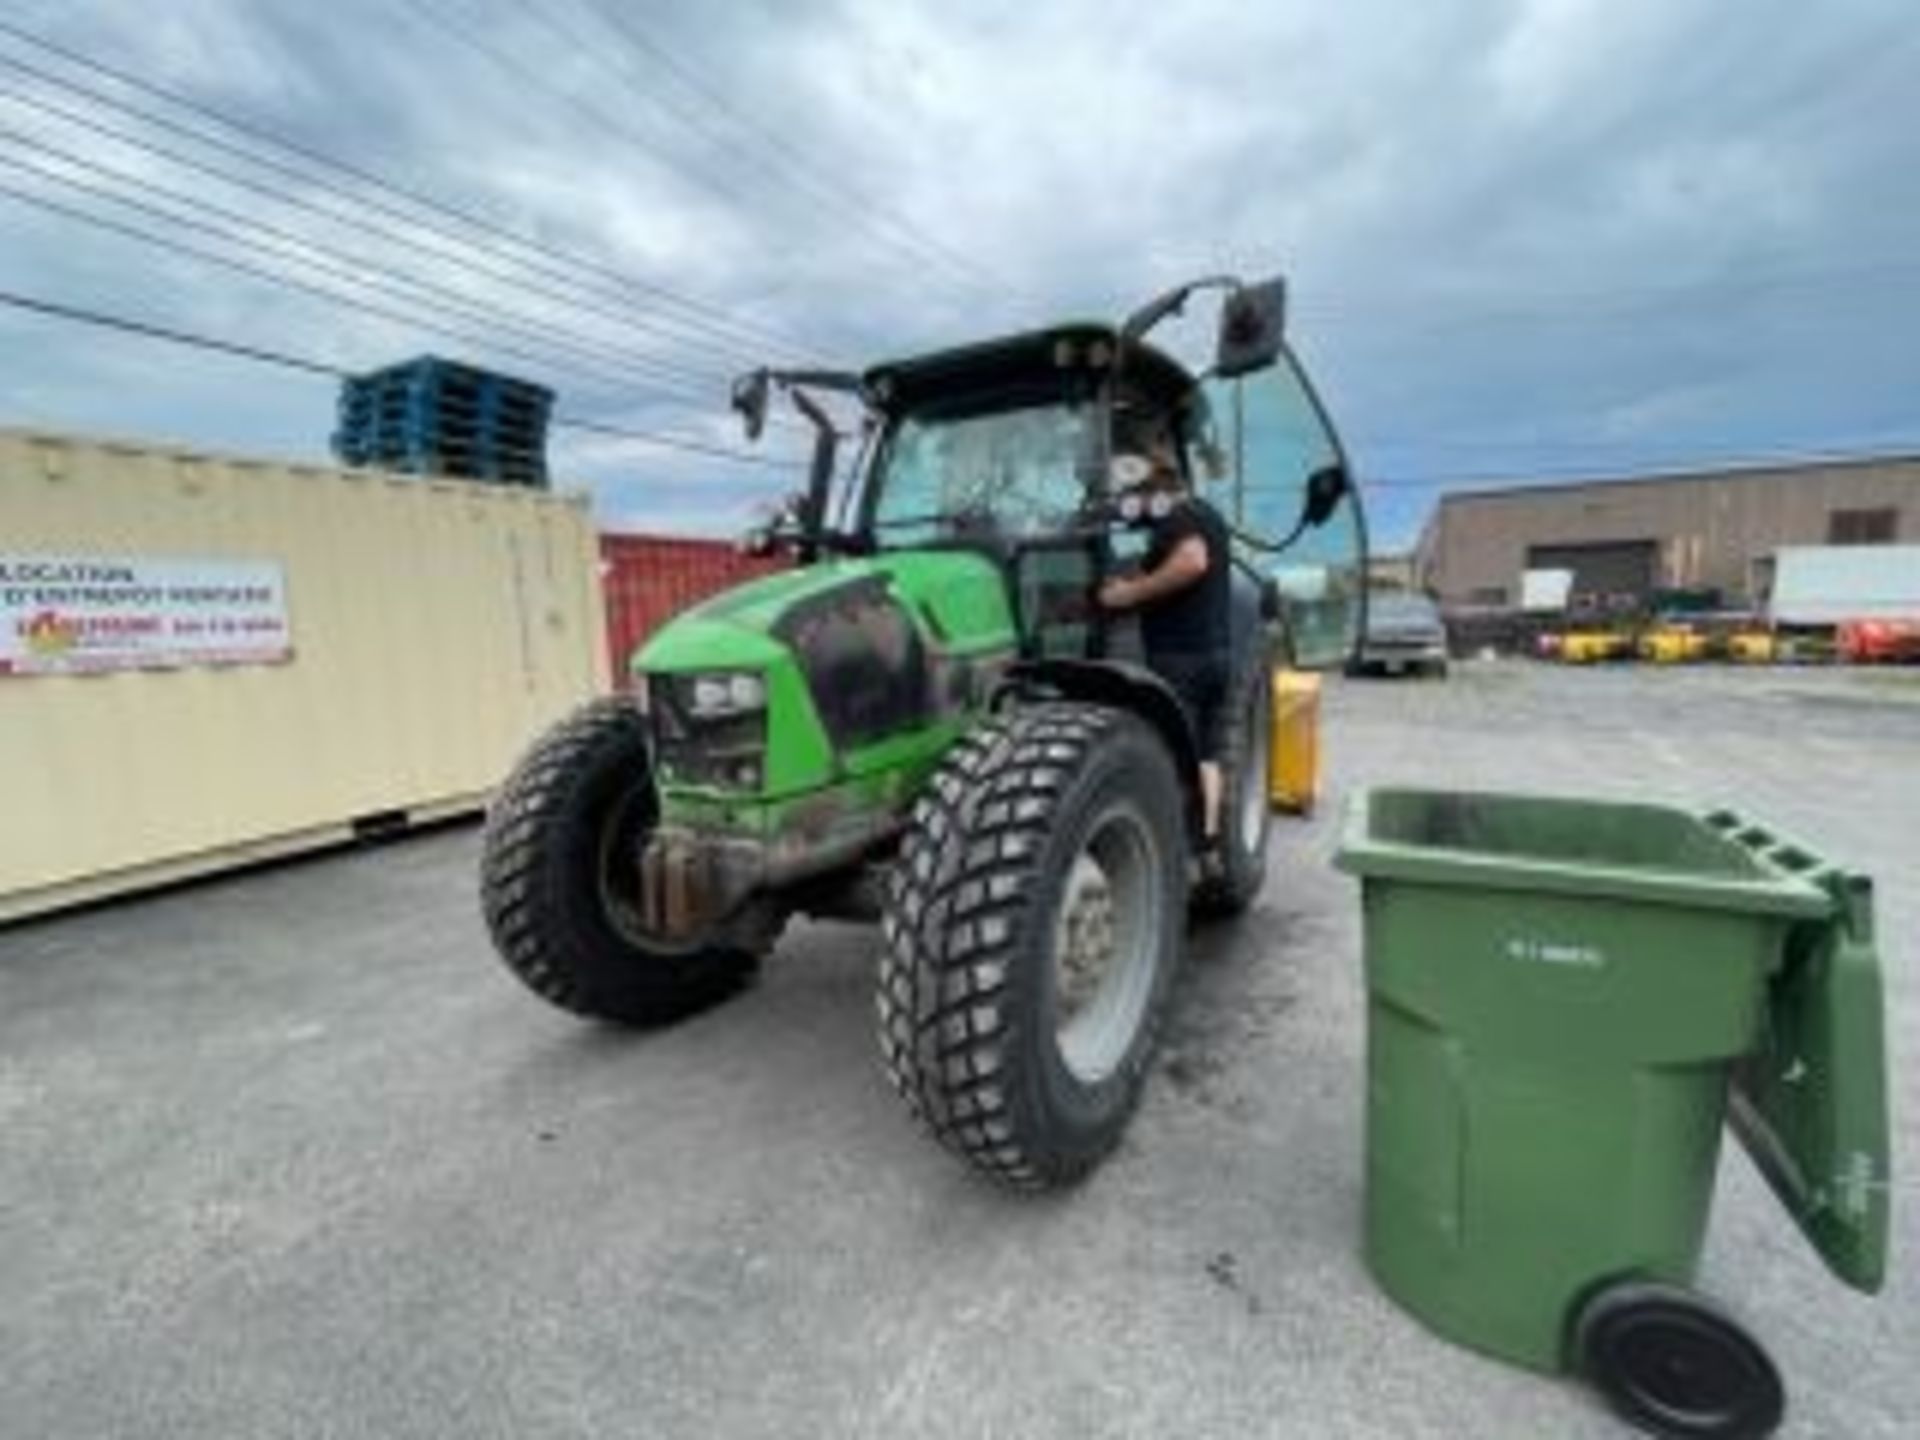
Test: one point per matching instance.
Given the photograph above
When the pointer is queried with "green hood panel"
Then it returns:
(695, 642)
(952, 604)
(959, 597)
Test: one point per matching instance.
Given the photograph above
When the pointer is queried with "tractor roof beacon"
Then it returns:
(926, 722)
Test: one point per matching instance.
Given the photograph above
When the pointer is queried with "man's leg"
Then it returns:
(1211, 784)
(1213, 741)
(1201, 692)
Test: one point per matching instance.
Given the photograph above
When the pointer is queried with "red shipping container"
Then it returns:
(648, 579)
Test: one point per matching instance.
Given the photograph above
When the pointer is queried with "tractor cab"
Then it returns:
(1018, 448)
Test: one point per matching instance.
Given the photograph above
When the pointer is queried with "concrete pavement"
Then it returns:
(290, 1154)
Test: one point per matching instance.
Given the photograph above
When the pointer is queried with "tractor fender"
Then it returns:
(1123, 685)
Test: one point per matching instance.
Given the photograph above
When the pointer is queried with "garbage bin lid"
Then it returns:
(1810, 1104)
(1660, 854)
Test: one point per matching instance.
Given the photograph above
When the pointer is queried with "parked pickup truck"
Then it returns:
(1405, 635)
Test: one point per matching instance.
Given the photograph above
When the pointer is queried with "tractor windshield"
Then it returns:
(1012, 471)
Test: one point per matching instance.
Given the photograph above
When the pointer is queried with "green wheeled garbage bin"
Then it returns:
(1566, 1000)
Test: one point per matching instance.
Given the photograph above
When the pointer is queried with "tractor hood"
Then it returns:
(956, 601)
(735, 627)
(866, 666)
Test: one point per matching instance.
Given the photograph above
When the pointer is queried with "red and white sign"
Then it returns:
(65, 614)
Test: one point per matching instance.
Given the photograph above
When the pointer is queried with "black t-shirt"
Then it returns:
(1192, 622)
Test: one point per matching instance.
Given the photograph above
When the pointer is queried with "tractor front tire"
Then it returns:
(1033, 922)
(559, 877)
(1239, 866)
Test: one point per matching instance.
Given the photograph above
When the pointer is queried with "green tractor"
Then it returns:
(926, 722)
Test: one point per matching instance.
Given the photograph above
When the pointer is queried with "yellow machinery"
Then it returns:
(1672, 644)
(1589, 647)
(1751, 647)
(1293, 756)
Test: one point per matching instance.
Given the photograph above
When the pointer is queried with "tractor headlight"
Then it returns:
(722, 693)
(709, 728)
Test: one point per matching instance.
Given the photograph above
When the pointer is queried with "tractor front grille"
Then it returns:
(722, 752)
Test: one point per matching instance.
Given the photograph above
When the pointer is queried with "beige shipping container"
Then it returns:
(431, 628)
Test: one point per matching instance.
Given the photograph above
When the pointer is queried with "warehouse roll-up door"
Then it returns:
(1604, 568)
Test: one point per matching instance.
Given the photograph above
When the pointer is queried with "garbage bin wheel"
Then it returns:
(1673, 1364)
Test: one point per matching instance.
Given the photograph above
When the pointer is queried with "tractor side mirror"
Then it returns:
(1252, 328)
(750, 397)
(1326, 488)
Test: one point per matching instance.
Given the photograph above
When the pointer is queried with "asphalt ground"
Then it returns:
(288, 1153)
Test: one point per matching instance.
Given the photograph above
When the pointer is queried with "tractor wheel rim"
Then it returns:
(1253, 780)
(1106, 943)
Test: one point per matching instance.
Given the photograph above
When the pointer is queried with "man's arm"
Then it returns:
(1185, 565)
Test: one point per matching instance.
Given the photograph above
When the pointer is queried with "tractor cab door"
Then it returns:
(1270, 463)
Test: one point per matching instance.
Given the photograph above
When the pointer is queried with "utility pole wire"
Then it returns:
(532, 76)
(794, 168)
(713, 180)
(705, 316)
(584, 302)
(354, 269)
(168, 334)
(259, 272)
(153, 331)
(1583, 471)
(653, 324)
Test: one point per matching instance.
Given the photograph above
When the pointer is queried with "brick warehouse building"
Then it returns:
(1713, 529)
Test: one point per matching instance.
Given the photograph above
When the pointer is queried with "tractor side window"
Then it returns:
(1011, 472)
(1283, 442)
(1207, 431)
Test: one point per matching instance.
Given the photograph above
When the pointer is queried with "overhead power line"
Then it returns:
(1624, 302)
(262, 237)
(527, 73)
(793, 166)
(153, 331)
(1458, 480)
(677, 442)
(711, 179)
(1585, 472)
(548, 368)
(265, 355)
(692, 445)
(585, 303)
(590, 305)
(690, 312)
(584, 296)
(670, 328)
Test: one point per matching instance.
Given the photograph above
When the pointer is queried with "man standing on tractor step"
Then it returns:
(1182, 593)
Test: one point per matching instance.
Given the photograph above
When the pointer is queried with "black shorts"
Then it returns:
(1200, 681)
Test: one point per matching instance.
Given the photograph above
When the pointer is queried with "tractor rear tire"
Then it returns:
(559, 871)
(1239, 866)
(1034, 920)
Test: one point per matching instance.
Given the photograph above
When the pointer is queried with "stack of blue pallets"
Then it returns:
(437, 417)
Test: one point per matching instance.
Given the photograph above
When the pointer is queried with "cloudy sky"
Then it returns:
(1525, 237)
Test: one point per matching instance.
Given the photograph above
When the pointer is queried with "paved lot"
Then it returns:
(288, 1154)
